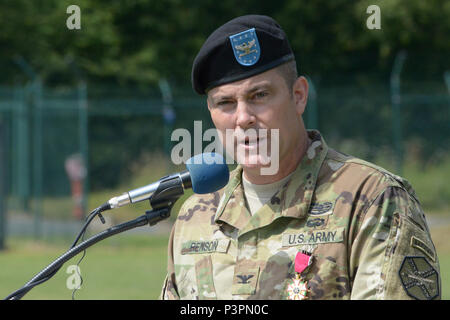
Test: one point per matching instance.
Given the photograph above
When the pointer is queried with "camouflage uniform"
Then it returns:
(363, 226)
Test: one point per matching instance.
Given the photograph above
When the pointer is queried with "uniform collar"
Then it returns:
(293, 200)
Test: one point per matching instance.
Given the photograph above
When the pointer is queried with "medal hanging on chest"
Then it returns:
(297, 288)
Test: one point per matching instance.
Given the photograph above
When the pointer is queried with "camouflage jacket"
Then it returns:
(362, 225)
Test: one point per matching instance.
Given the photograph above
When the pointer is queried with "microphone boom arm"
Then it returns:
(151, 217)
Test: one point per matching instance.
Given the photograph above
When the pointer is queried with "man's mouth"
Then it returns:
(247, 141)
(250, 141)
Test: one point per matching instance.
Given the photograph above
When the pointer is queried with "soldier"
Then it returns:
(325, 226)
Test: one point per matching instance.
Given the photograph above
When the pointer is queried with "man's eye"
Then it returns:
(261, 94)
(223, 103)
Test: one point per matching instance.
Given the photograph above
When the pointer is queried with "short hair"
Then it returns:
(289, 73)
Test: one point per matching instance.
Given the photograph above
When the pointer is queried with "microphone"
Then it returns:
(206, 173)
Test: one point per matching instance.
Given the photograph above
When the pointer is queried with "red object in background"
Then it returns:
(77, 172)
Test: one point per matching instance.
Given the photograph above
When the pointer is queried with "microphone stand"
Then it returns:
(162, 203)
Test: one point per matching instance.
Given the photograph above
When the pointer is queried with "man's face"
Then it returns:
(260, 102)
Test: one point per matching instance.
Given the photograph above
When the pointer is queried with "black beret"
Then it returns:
(241, 48)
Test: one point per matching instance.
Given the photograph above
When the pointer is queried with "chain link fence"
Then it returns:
(59, 144)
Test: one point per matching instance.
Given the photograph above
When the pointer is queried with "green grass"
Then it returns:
(122, 267)
(444, 261)
(439, 235)
(431, 184)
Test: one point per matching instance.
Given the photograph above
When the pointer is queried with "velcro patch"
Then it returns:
(200, 246)
(419, 279)
(313, 237)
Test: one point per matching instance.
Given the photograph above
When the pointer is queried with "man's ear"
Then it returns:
(300, 93)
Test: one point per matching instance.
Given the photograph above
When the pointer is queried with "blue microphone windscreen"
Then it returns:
(208, 172)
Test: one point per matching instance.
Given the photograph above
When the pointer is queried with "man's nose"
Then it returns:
(245, 117)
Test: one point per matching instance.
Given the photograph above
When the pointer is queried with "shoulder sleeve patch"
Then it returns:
(418, 278)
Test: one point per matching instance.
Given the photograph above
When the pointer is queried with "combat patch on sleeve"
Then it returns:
(419, 279)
